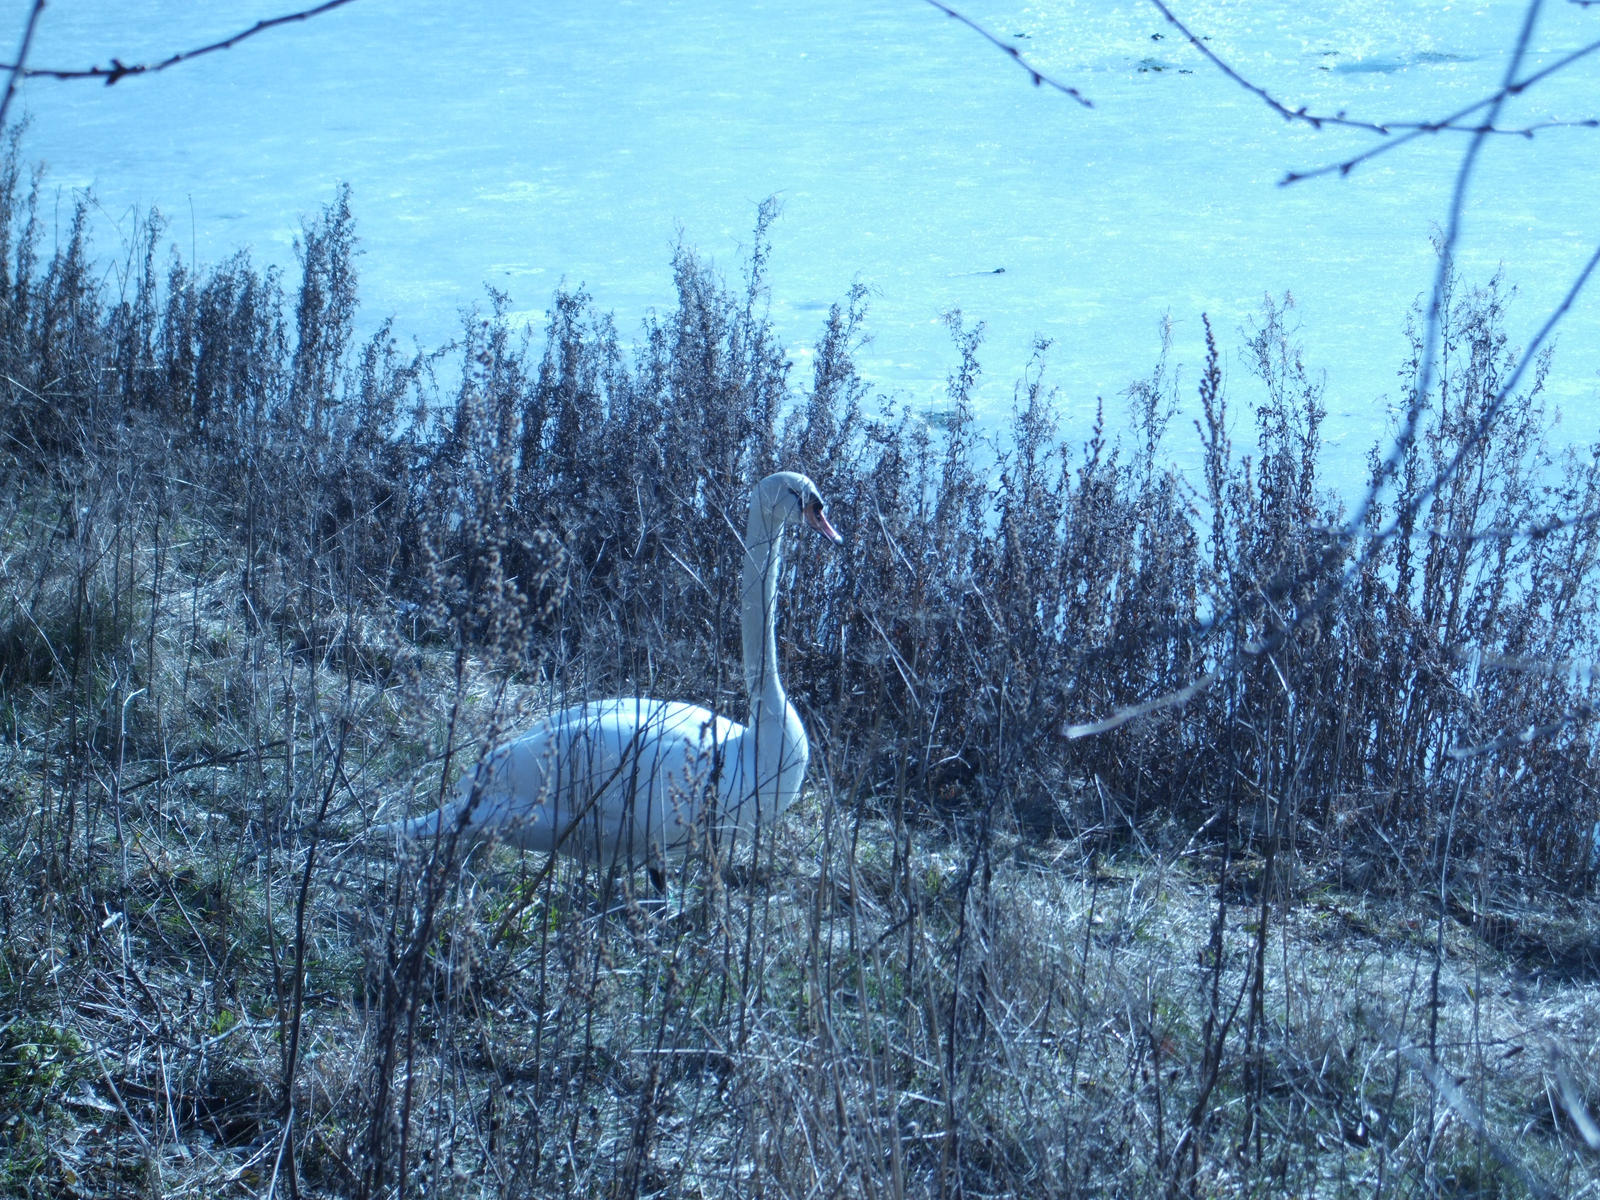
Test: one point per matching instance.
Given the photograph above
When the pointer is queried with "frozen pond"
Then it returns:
(524, 144)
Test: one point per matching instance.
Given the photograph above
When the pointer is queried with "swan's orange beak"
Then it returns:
(818, 520)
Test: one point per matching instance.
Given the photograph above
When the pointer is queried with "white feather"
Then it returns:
(624, 779)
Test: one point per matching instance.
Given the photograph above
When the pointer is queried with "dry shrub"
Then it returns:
(262, 582)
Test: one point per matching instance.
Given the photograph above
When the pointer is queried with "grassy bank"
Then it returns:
(1326, 927)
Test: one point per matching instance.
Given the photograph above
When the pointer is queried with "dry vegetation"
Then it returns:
(1327, 928)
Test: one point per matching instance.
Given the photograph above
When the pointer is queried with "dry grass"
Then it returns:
(1277, 940)
(799, 1030)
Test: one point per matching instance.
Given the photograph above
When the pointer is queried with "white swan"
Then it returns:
(621, 781)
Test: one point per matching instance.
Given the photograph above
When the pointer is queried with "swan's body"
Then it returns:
(619, 781)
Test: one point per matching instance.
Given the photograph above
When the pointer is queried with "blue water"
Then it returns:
(524, 144)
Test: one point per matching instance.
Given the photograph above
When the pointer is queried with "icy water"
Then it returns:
(520, 144)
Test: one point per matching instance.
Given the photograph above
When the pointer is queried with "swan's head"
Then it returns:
(789, 498)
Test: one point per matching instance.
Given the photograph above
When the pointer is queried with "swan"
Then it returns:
(626, 780)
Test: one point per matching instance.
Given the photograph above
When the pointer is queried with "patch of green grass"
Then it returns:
(40, 1063)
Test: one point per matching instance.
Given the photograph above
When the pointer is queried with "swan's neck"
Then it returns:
(759, 585)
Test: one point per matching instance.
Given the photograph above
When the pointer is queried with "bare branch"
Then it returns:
(1430, 340)
(1578, 673)
(1170, 700)
(1266, 97)
(1471, 1115)
(119, 70)
(1038, 76)
(1519, 737)
(1521, 131)
(1452, 122)
(1414, 129)
(1491, 533)
(20, 65)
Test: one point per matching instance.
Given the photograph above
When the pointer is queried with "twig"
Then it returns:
(1414, 129)
(119, 70)
(1417, 129)
(1521, 737)
(1037, 76)
(211, 760)
(19, 68)
(1489, 533)
(1283, 110)
(1577, 1111)
(1450, 1092)
(1169, 700)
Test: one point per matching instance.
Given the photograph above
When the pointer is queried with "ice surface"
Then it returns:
(524, 144)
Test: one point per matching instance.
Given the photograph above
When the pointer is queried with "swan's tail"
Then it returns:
(470, 816)
(444, 820)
